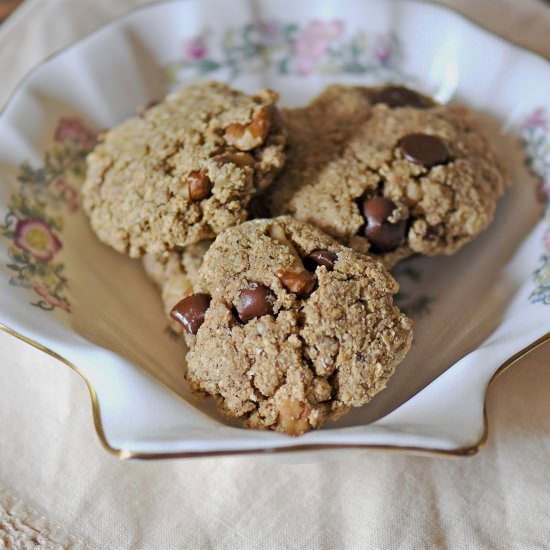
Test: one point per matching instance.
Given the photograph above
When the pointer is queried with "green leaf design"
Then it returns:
(208, 66)
(290, 31)
(284, 66)
(247, 33)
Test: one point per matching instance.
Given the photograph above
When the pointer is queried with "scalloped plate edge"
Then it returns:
(124, 454)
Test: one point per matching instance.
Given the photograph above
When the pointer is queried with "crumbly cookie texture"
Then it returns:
(440, 191)
(176, 275)
(184, 170)
(297, 328)
(316, 138)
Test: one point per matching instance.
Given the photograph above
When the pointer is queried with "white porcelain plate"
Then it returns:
(64, 292)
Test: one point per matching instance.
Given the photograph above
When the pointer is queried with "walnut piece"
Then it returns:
(301, 284)
(277, 233)
(293, 416)
(252, 135)
(240, 159)
(199, 185)
(297, 279)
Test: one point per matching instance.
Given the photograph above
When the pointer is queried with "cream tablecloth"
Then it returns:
(60, 489)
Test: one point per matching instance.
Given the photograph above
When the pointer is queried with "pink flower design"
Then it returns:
(542, 191)
(314, 41)
(36, 237)
(383, 49)
(49, 298)
(269, 31)
(195, 48)
(537, 119)
(546, 240)
(69, 193)
(73, 129)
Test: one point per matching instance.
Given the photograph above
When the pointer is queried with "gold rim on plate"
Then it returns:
(125, 454)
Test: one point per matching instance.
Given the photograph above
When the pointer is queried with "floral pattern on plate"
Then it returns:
(35, 217)
(535, 133)
(322, 47)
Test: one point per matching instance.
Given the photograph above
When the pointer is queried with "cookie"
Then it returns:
(290, 327)
(316, 136)
(389, 180)
(176, 275)
(184, 170)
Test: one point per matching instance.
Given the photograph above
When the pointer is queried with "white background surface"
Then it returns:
(58, 486)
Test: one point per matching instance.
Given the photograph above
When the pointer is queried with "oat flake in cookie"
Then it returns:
(392, 173)
(297, 328)
(184, 170)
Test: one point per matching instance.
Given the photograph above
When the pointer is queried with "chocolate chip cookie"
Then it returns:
(184, 170)
(290, 327)
(387, 171)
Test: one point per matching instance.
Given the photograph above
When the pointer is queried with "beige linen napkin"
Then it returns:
(60, 489)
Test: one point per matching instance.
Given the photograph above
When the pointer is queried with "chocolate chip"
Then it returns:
(424, 149)
(190, 311)
(199, 185)
(300, 283)
(255, 302)
(320, 257)
(433, 233)
(383, 235)
(399, 96)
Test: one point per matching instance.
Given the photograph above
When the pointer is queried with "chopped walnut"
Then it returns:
(199, 185)
(297, 279)
(252, 135)
(240, 159)
(301, 284)
(293, 416)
